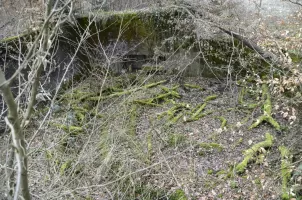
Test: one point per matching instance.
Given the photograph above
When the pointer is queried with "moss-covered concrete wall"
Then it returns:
(132, 38)
(165, 33)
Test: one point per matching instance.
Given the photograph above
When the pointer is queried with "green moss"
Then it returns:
(221, 172)
(175, 112)
(211, 146)
(178, 195)
(146, 102)
(191, 86)
(241, 96)
(210, 171)
(9, 39)
(65, 166)
(176, 140)
(286, 161)
(260, 158)
(201, 115)
(81, 109)
(210, 98)
(148, 193)
(80, 117)
(251, 152)
(258, 181)
(49, 155)
(69, 129)
(233, 184)
(76, 95)
(223, 122)
(110, 90)
(176, 118)
(125, 92)
(237, 142)
(198, 111)
(267, 108)
(295, 56)
(168, 93)
(153, 69)
(252, 105)
(151, 85)
(149, 26)
(25, 36)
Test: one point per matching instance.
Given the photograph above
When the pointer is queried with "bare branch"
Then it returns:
(295, 2)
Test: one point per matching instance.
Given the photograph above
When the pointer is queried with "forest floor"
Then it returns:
(174, 140)
(149, 138)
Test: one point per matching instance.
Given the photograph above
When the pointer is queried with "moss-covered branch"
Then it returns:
(267, 109)
(223, 122)
(117, 94)
(191, 86)
(210, 146)
(286, 160)
(197, 111)
(241, 96)
(75, 130)
(160, 98)
(175, 113)
(250, 153)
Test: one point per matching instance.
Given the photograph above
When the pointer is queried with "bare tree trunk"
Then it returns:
(17, 139)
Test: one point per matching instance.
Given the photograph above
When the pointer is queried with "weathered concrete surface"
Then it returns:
(129, 40)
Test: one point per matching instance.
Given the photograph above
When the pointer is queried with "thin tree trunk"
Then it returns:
(17, 139)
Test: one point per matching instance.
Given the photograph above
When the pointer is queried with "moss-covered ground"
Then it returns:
(158, 139)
